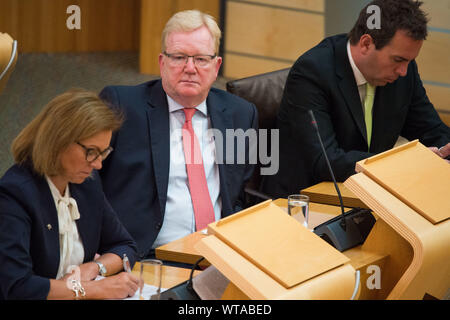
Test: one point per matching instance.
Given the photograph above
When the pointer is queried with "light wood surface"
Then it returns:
(415, 175)
(264, 232)
(419, 251)
(256, 30)
(440, 97)
(259, 35)
(325, 192)
(433, 59)
(171, 276)
(238, 66)
(40, 25)
(311, 5)
(258, 285)
(183, 250)
(438, 11)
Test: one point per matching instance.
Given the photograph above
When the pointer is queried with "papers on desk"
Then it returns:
(147, 291)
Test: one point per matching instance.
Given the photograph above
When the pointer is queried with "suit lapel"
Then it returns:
(348, 87)
(221, 121)
(50, 220)
(158, 124)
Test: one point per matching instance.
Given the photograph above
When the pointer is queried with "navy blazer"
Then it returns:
(322, 80)
(136, 174)
(29, 233)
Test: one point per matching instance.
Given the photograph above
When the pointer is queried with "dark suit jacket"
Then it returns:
(29, 249)
(135, 176)
(322, 80)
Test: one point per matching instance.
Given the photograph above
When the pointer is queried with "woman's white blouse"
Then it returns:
(71, 248)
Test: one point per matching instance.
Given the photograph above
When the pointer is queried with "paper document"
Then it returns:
(147, 291)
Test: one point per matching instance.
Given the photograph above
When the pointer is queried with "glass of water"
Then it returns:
(150, 279)
(299, 203)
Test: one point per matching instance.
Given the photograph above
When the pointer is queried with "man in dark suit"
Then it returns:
(365, 91)
(158, 194)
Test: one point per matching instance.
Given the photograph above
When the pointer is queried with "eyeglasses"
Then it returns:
(180, 59)
(93, 153)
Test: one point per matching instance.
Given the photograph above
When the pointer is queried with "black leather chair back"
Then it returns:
(265, 91)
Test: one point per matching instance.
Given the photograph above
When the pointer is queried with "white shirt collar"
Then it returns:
(175, 106)
(360, 80)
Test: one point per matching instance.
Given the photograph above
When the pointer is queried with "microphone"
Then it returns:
(350, 228)
(184, 290)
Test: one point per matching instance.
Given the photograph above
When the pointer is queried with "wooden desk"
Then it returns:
(171, 276)
(182, 250)
(325, 193)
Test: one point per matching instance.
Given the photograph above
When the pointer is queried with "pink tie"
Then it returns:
(201, 201)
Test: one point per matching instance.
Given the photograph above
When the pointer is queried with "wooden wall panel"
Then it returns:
(40, 25)
(261, 38)
(312, 5)
(271, 32)
(242, 66)
(434, 58)
(440, 97)
(154, 16)
(438, 12)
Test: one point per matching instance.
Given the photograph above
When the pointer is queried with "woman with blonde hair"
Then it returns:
(54, 217)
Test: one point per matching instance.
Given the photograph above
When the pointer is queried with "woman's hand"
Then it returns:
(119, 286)
(88, 271)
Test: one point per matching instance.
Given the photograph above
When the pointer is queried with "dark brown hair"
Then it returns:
(395, 15)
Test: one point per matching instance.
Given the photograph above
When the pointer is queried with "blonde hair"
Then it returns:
(72, 116)
(189, 20)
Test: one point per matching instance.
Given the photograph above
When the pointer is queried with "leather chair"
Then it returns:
(265, 91)
(8, 58)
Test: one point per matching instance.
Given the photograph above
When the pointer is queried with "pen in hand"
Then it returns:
(126, 263)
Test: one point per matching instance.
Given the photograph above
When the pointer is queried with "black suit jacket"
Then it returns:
(29, 248)
(136, 174)
(322, 80)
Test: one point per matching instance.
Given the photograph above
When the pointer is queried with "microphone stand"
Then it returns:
(350, 228)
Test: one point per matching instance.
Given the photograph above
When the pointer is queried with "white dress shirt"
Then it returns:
(179, 218)
(71, 250)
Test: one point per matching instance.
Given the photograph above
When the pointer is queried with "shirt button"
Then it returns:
(158, 226)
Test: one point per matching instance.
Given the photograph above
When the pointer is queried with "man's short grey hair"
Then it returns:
(189, 20)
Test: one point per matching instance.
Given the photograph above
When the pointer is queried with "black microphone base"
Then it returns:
(183, 291)
(359, 222)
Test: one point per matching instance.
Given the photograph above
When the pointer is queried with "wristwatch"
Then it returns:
(101, 268)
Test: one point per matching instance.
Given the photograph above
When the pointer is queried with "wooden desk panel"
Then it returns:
(325, 193)
(182, 250)
(171, 276)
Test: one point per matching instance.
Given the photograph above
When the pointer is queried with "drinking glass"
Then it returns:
(299, 203)
(150, 279)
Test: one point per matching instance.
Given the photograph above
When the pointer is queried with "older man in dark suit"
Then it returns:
(163, 179)
(365, 91)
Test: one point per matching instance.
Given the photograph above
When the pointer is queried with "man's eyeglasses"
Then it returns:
(180, 59)
(93, 153)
